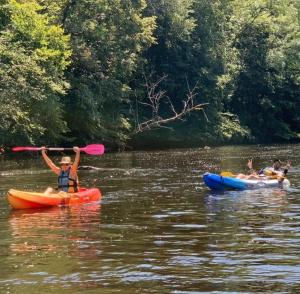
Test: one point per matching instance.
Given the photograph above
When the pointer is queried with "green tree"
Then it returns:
(189, 51)
(33, 57)
(108, 37)
(264, 85)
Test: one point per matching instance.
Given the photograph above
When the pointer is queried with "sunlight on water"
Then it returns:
(158, 229)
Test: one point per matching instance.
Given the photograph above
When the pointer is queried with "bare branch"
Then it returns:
(155, 98)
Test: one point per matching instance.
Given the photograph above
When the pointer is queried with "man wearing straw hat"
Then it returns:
(67, 172)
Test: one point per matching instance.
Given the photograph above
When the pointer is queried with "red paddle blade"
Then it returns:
(19, 148)
(93, 149)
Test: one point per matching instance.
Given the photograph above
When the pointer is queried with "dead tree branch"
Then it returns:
(154, 100)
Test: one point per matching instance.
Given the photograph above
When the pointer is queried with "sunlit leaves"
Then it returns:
(33, 57)
(108, 38)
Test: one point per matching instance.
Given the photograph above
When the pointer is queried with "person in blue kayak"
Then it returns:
(67, 172)
(253, 174)
(276, 171)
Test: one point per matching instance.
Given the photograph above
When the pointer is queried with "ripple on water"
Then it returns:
(158, 228)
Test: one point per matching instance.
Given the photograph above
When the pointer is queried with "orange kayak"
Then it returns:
(23, 199)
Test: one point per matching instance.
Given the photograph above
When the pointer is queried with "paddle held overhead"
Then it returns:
(92, 149)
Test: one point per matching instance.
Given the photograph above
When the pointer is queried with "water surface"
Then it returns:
(157, 229)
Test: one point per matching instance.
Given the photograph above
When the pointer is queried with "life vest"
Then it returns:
(67, 184)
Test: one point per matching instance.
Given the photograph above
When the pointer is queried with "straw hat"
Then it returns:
(66, 160)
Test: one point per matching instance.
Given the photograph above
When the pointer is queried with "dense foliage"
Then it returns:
(77, 72)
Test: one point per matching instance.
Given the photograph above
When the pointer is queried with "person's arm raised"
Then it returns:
(49, 162)
(77, 159)
(250, 166)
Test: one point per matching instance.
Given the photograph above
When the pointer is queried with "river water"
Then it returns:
(157, 229)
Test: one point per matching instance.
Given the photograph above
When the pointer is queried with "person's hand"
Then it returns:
(43, 148)
(249, 164)
(76, 149)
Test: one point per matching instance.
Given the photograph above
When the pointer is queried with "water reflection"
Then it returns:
(158, 229)
(35, 229)
(239, 200)
(254, 235)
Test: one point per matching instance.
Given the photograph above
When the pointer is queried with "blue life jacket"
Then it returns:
(67, 184)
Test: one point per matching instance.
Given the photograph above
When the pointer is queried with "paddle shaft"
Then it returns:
(92, 149)
(40, 148)
(59, 149)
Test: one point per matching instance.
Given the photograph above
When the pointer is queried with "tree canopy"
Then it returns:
(219, 71)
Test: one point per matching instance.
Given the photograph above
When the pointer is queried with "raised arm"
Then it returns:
(250, 165)
(286, 167)
(49, 162)
(77, 159)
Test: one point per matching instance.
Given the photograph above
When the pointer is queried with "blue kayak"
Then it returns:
(218, 182)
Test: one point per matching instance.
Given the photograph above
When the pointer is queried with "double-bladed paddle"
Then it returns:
(92, 149)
